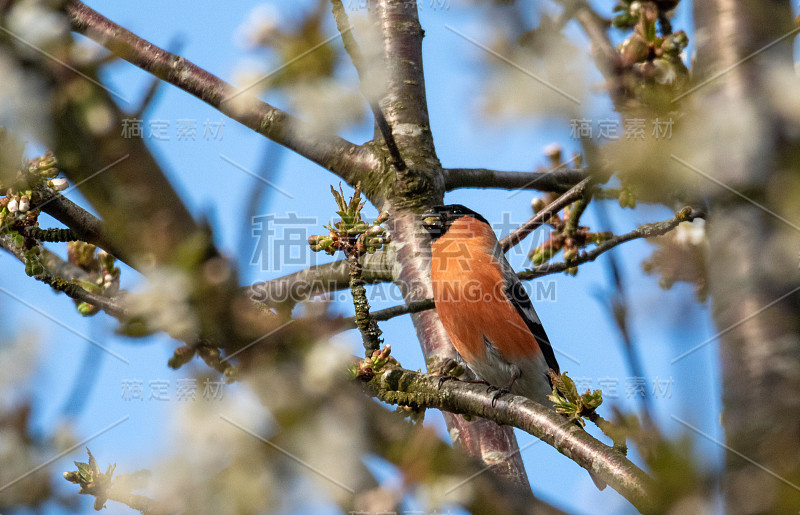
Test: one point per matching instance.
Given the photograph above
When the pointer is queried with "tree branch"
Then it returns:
(86, 226)
(417, 390)
(409, 193)
(341, 157)
(354, 51)
(392, 312)
(650, 230)
(290, 289)
(519, 234)
(59, 275)
(554, 181)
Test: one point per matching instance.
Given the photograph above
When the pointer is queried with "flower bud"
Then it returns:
(13, 205)
(59, 184)
(553, 152)
(375, 230)
(382, 218)
(24, 204)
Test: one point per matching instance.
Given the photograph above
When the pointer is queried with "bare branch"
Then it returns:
(290, 289)
(554, 181)
(341, 157)
(418, 390)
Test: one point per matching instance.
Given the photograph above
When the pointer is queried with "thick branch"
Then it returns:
(300, 286)
(555, 181)
(417, 390)
(343, 158)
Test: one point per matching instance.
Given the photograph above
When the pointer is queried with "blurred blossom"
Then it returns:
(691, 233)
(445, 490)
(712, 121)
(783, 92)
(24, 101)
(327, 104)
(163, 303)
(214, 466)
(39, 24)
(260, 27)
(18, 359)
(325, 367)
(19, 457)
(546, 75)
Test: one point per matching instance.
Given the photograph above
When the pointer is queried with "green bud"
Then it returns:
(375, 230)
(86, 309)
(381, 218)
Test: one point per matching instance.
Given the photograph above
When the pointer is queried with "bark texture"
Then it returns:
(753, 250)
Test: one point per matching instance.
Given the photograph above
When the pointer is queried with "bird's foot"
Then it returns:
(498, 392)
(447, 369)
(444, 379)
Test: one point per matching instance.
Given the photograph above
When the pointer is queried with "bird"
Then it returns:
(483, 306)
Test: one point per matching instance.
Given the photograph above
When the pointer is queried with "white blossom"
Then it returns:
(691, 233)
(59, 184)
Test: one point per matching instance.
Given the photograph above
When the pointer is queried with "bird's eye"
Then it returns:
(430, 221)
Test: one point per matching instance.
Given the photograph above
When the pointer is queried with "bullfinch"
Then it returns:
(484, 307)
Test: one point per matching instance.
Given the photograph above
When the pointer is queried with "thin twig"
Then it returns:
(52, 264)
(85, 225)
(575, 213)
(650, 230)
(392, 312)
(50, 235)
(370, 332)
(518, 234)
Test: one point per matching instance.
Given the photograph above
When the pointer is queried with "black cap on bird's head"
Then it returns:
(439, 218)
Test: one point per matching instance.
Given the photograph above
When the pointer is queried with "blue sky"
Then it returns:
(663, 323)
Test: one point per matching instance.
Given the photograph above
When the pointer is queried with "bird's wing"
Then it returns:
(516, 293)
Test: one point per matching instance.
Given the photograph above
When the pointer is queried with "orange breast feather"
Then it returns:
(469, 291)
